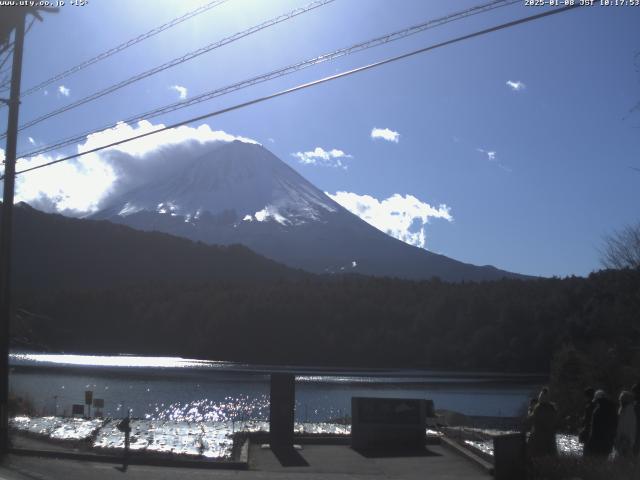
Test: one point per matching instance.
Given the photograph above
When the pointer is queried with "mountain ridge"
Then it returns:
(242, 193)
(52, 251)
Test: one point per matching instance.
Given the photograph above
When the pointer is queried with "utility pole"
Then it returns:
(6, 232)
(13, 18)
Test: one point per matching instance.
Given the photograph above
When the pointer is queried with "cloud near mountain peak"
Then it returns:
(84, 185)
(401, 216)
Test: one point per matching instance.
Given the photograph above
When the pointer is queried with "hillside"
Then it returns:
(344, 320)
(241, 193)
(53, 252)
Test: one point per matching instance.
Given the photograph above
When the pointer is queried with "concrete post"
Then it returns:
(281, 412)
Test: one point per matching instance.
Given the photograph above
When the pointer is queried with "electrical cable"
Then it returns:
(123, 46)
(310, 84)
(5, 84)
(380, 40)
(176, 61)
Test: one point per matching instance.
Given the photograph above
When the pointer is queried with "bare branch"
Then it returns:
(622, 248)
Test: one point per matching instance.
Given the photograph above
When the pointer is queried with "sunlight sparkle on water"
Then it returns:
(110, 360)
(202, 438)
(242, 407)
(567, 444)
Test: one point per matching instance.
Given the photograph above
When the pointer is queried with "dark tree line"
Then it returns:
(53, 252)
(509, 325)
(96, 287)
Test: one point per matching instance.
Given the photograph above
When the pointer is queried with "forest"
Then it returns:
(95, 287)
(508, 325)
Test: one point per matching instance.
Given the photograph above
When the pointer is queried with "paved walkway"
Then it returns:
(323, 462)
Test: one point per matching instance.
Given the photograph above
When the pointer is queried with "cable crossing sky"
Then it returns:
(123, 46)
(176, 61)
(310, 84)
(380, 40)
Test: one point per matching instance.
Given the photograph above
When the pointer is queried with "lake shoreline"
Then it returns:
(118, 363)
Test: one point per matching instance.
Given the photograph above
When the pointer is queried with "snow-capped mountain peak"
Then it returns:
(244, 178)
(241, 193)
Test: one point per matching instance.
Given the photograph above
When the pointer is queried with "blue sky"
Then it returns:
(533, 173)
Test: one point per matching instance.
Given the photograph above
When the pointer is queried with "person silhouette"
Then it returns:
(543, 420)
(635, 389)
(589, 406)
(604, 422)
(125, 427)
(626, 431)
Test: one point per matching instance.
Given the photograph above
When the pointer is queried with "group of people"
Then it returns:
(607, 427)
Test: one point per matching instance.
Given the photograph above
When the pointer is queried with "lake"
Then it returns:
(165, 388)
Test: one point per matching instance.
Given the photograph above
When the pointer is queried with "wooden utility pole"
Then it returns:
(6, 232)
(13, 18)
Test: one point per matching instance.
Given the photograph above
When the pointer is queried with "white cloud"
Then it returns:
(402, 217)
(72, 188)
(84, 185)
(385, 134)
(269, 212)
(491, 154)
(322, 157)
(182, 91)
(173, 137)
(62, 90)
(516, 86)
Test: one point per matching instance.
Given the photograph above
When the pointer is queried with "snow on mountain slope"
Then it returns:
(240, 177)
(242, 193)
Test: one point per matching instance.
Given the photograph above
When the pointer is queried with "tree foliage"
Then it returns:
(622, 248)
(508, 325)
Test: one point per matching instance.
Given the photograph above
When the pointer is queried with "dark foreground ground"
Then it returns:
(436, 462)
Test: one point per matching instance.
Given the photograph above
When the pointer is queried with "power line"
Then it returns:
(5, 84)
(176, 61)
(5, 47)
(381, 40)
(310, 84)
(123, 46)
(6, 80)
(4, 60)
(6, 77)
(9, 53)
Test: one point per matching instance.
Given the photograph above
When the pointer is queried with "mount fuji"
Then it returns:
(241, 193)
